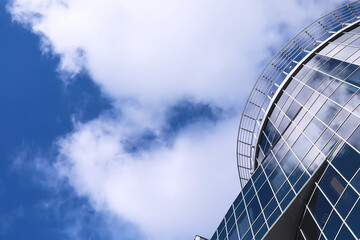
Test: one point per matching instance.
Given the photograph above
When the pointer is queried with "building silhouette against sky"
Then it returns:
(299, 139)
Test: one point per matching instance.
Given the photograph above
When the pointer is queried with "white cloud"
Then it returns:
(146, 55)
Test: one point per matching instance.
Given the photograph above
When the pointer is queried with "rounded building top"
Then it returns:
(277, 71)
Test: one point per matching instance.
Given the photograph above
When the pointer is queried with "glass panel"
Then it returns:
(265, 194)
(301, 147)
(353, 220)
(283, 191)
(314, 129)
(289, 163)
(233, 234)
(258, 223)
(276, 179)
(345, 234)
(274, 216)
(332, 184)
(320, 207)
(243, 224)
(347, 161)
(332, 226)
(346, 202)
(328, 111)
(254, 209)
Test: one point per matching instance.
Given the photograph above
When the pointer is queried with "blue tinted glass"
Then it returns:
(352, 159)
(231, 222)
(353, 220)
(265, 194)
(256, 174)
(261, 233)
(243, 224)
(328, 111)
(237, 200)
(249, 195)
(314, 129)
(345, 234)
(356, 181)
(320, 207)
(258, 223)
(347, 71)
(239, 209)
(260, 181)
(228, 214)
(296, 174)
(293, 110)
(287, 200)
(304, 95)
(301, 182)
(274, 216)
(270, 207)
(316, 80)
(289, 161)
(332, 184)
(354, 140)
(221, 226)
(248, 236)
(214, 236)
(283, 191)
(222, 235)
(233, 234)
(346, 202)
(277, 178)
(330, 65)
(354, 78)
(339, 68)
(254, 209)
(332, 226)
(309, 227)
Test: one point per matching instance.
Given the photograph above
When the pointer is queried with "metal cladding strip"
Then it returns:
(274, 76)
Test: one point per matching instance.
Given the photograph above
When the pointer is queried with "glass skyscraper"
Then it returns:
(299, 139)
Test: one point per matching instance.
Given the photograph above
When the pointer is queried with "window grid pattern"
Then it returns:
(275, 73)
(316, 116)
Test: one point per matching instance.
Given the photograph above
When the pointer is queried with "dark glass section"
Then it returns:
(240, 209)
(320, 207)
(231, 222)
(332, 226)
(254, 209)
(233, 234)
(274, 217)
(258, 223)
(345, 234)
(222, 235)
(309, 227)
(347, 161)
(276, 179)
(270, 207)
(332, 184)
(261, 233)
(265, 194)
(353, 220)
(243, 224)
(346, 202)
(356, 182)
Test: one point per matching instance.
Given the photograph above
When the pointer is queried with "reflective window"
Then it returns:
(332, 226)
(233, 234)
(332, 184)
(320, 207)
(347, 161)
(353, 220)
(346, 202)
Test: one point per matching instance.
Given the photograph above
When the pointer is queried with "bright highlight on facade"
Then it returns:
(299, 139)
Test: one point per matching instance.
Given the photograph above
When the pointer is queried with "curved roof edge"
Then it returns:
(280, 68)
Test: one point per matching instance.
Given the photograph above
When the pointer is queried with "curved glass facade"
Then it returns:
(304, 148)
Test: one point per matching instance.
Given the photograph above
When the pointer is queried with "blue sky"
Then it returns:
(119, 118)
